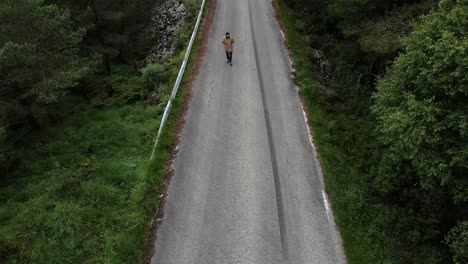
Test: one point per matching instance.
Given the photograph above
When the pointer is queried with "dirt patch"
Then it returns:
(188, 93)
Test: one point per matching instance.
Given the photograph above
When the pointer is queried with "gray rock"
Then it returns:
(167, 17)
(180, 8)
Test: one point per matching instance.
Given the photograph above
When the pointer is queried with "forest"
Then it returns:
(79, 109)
(386, 84)
(51, 49)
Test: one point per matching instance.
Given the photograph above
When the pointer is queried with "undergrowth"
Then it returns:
(85, 191)
(79, 193)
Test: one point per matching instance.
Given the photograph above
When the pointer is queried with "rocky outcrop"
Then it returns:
(324, 66)
(168, 16)
(326, 74)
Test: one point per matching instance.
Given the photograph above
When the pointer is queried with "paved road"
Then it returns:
(246, 188)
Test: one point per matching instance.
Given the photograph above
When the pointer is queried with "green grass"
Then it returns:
(86, 190)
(359, 219)
(79, 194)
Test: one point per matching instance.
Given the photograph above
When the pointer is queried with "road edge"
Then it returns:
(327, 202)
(189, 80)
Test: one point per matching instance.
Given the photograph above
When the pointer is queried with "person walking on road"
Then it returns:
(228, 42)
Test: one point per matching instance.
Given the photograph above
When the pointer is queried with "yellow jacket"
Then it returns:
(228, 43)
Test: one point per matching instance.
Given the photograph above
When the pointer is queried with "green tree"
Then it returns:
(39, 58)
(116, 29)
(457, 240)
(39, 51)
(423, 122)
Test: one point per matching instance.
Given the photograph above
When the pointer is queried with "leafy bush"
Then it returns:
(3, 158)
(421, 108)
(121, 86)
(193, 7)
(421, 111)
(457, 240)
(155, 76)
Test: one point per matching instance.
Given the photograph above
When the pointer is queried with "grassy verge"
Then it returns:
(360, 220)
(86, 191)
(77, 197)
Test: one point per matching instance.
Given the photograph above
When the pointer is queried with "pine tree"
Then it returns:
(39, 58)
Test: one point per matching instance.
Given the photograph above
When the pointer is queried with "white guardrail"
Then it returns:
(179, 78)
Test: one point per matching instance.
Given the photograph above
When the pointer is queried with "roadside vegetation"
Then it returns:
(387, 102)
(77, 128)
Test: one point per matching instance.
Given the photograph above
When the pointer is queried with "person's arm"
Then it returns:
(224, 43)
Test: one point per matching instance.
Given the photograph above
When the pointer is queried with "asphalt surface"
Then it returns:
(247, 187)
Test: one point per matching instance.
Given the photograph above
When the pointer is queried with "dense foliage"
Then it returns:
(48, 48)
(39, 51)
(401, 187)
(76, 128)
(423, 124)
(116, 29)
(39, 62)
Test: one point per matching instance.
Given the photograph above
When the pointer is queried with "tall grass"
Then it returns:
(76, 197)
(86, 190)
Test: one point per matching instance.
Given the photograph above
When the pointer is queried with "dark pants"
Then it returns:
(229, 56)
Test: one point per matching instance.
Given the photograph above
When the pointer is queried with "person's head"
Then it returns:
(227, 35)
